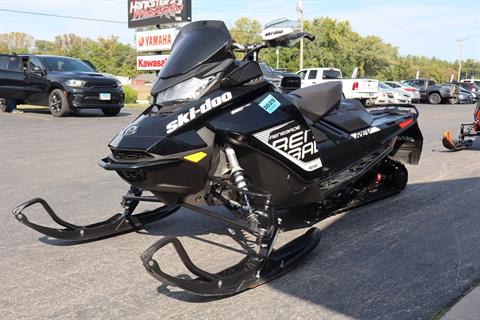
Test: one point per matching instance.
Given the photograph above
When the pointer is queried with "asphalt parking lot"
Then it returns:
(407, 257)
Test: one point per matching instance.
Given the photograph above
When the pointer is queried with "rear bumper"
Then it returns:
(89, 98)
(362, 95)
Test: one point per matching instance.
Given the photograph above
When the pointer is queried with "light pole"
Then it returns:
(300, 8)
(460, 42)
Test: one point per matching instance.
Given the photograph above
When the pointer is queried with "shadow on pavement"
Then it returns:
(401, 258)
(405, 257)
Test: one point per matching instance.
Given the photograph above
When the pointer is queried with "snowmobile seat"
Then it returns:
(350, 116)
(316, 101)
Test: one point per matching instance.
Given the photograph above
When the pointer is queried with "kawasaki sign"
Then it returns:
(149, 63)
(143, 13)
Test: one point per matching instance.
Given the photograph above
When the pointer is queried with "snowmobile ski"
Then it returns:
(116, 225)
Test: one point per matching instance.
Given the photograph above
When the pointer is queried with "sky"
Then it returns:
(421, 27)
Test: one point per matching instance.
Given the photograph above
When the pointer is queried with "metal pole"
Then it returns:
(278, 57)
(301, 10)
(460, 42)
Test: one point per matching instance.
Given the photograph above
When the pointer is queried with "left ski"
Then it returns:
(118, 224)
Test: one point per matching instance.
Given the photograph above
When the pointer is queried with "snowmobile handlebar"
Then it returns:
(286, 41)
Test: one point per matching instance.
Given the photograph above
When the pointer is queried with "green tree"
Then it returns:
(17, 42)
(246, 31)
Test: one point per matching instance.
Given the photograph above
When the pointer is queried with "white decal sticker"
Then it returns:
(294, 143)
(191, 114)
(364, 133)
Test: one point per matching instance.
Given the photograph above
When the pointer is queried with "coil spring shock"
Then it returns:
(238, 178)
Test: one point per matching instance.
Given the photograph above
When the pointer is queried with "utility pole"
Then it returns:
(277, 52)
(300, 9)
(460, 42)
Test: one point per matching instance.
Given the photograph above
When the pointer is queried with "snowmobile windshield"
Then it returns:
(197, 43)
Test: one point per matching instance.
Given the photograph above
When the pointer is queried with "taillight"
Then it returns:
(410, 89)
(355, 86)
(406, 123)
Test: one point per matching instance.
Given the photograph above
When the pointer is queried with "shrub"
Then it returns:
(131, 95)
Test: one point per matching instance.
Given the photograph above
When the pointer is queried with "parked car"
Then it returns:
(473, 80)
(365, 90)
(471, 87)
(63, 84)
(399, 97)
(412, 91)
(466, 97)
(434, 93)
(284, 81)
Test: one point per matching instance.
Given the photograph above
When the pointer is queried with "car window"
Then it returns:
(11, 63)
(34, 62)
(393, 85)
(302, 74)
(419, 83)
(312, 75)
(331, 74)
(67, 65)
(431, 83)
(384, 86)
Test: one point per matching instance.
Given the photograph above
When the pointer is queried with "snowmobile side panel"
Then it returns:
(408, 146)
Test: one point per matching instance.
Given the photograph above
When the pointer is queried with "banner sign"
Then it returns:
(143, 13)
(149, 63)
(155, 40)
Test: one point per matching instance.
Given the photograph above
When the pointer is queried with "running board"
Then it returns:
(113, 226)
(252, 271)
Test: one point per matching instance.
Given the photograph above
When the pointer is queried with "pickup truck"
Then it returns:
(365, 90)
(284, 81)
(435, 93)
(65, 85)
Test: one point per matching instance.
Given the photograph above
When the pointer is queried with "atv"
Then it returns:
(219, 134)
(466, 130)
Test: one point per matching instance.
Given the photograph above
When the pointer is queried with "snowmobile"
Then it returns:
(466, 130)
(218, 135)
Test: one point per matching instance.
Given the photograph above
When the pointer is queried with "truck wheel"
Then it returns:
(368, 103)
(3, 105)
(111, 112)
(453, 100)
(58, 104)
(434, 98)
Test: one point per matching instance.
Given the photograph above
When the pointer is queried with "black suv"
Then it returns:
(64, 84)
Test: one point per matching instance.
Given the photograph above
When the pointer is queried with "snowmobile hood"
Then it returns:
(199, 46)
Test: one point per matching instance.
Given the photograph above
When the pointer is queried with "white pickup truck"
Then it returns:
(365, 90)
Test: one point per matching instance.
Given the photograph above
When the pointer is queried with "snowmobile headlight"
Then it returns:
(188, 90)
(75, 83)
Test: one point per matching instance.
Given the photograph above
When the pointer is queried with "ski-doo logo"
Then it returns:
(364, 133)
(130, 130)
(192, 113)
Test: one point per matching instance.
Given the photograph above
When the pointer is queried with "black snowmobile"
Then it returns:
(466, 130)
(218, 134)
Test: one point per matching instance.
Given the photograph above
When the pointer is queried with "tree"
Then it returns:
(17, 42)
(246, 31)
